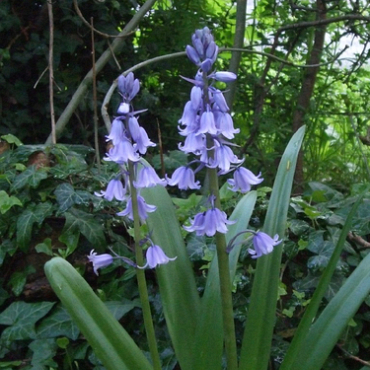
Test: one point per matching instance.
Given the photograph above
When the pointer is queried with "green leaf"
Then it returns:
(176, 279)
(33, 214)
(327, 329)
(58, 323)
(303, 334)
(67, 196)
(21, 318)
(7, 202)
(9, 364)
(79, 221)
(45, 247)
(119, 309)
(31, 176)
(208, 346)
(11, 139)
(43, 352)
(111, 343)
(70, 238)
(18, 280)
(257, 338)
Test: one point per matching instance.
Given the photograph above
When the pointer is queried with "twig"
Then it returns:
(51, 70)
(95, 99)
(79, 13)
(357, 239)
(100, 63)
(108, 95)
(355, 358)
(42, 74)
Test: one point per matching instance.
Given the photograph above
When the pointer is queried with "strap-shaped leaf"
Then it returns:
(208, 347)
(261, 317)
(176, 280)
(326, 331)
(110, 342)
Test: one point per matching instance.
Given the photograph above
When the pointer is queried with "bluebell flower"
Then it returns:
(115, 190)
(244, 179)
(117, 132)
(223, 76)
(196, 97)
(223, 158)
(184, 178)
(142, 141)
(189, 118)
(192, 54)
(220, 100)
(155, 257)
(143, 209)
(263, 244)
(208, 222)
(122, 153)
(194, 143)
(99, 261)
(148, 178)
(128, 87)
(207, 122)
(224, 124)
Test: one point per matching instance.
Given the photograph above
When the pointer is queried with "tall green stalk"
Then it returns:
(225, 282)
(140, 276)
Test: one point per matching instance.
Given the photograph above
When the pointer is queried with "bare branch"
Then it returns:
(95, 98)
(79, 13)
(100, 63)
(51, 70)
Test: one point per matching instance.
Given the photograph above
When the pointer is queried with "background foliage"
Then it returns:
(47, 204)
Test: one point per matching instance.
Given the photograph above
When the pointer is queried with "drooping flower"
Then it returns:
(155, 257)
(223, 158)
(184, 178)
(99, 260)
(117, 132)
(143, 209)
(224, 124)
(244, 179)
(115, 190)
(148, 178)
(208, 222)
(122, 152)
(263, 244)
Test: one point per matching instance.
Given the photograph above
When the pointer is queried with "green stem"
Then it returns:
(225, 282)
(140, 275)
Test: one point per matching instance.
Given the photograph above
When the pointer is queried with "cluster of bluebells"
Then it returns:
(129, 142)
(208, 127)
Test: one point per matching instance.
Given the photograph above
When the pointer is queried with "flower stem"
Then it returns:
(225, 282)
(140, 275)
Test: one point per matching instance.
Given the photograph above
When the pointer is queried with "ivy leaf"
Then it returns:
(7, 202)
(43, 352)
(35, 213)
(79, 221)
(57, 324)
(70, 238)
(18, 280)
(119, 309)
(31, 176)
(21, 318)
(65, 196)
